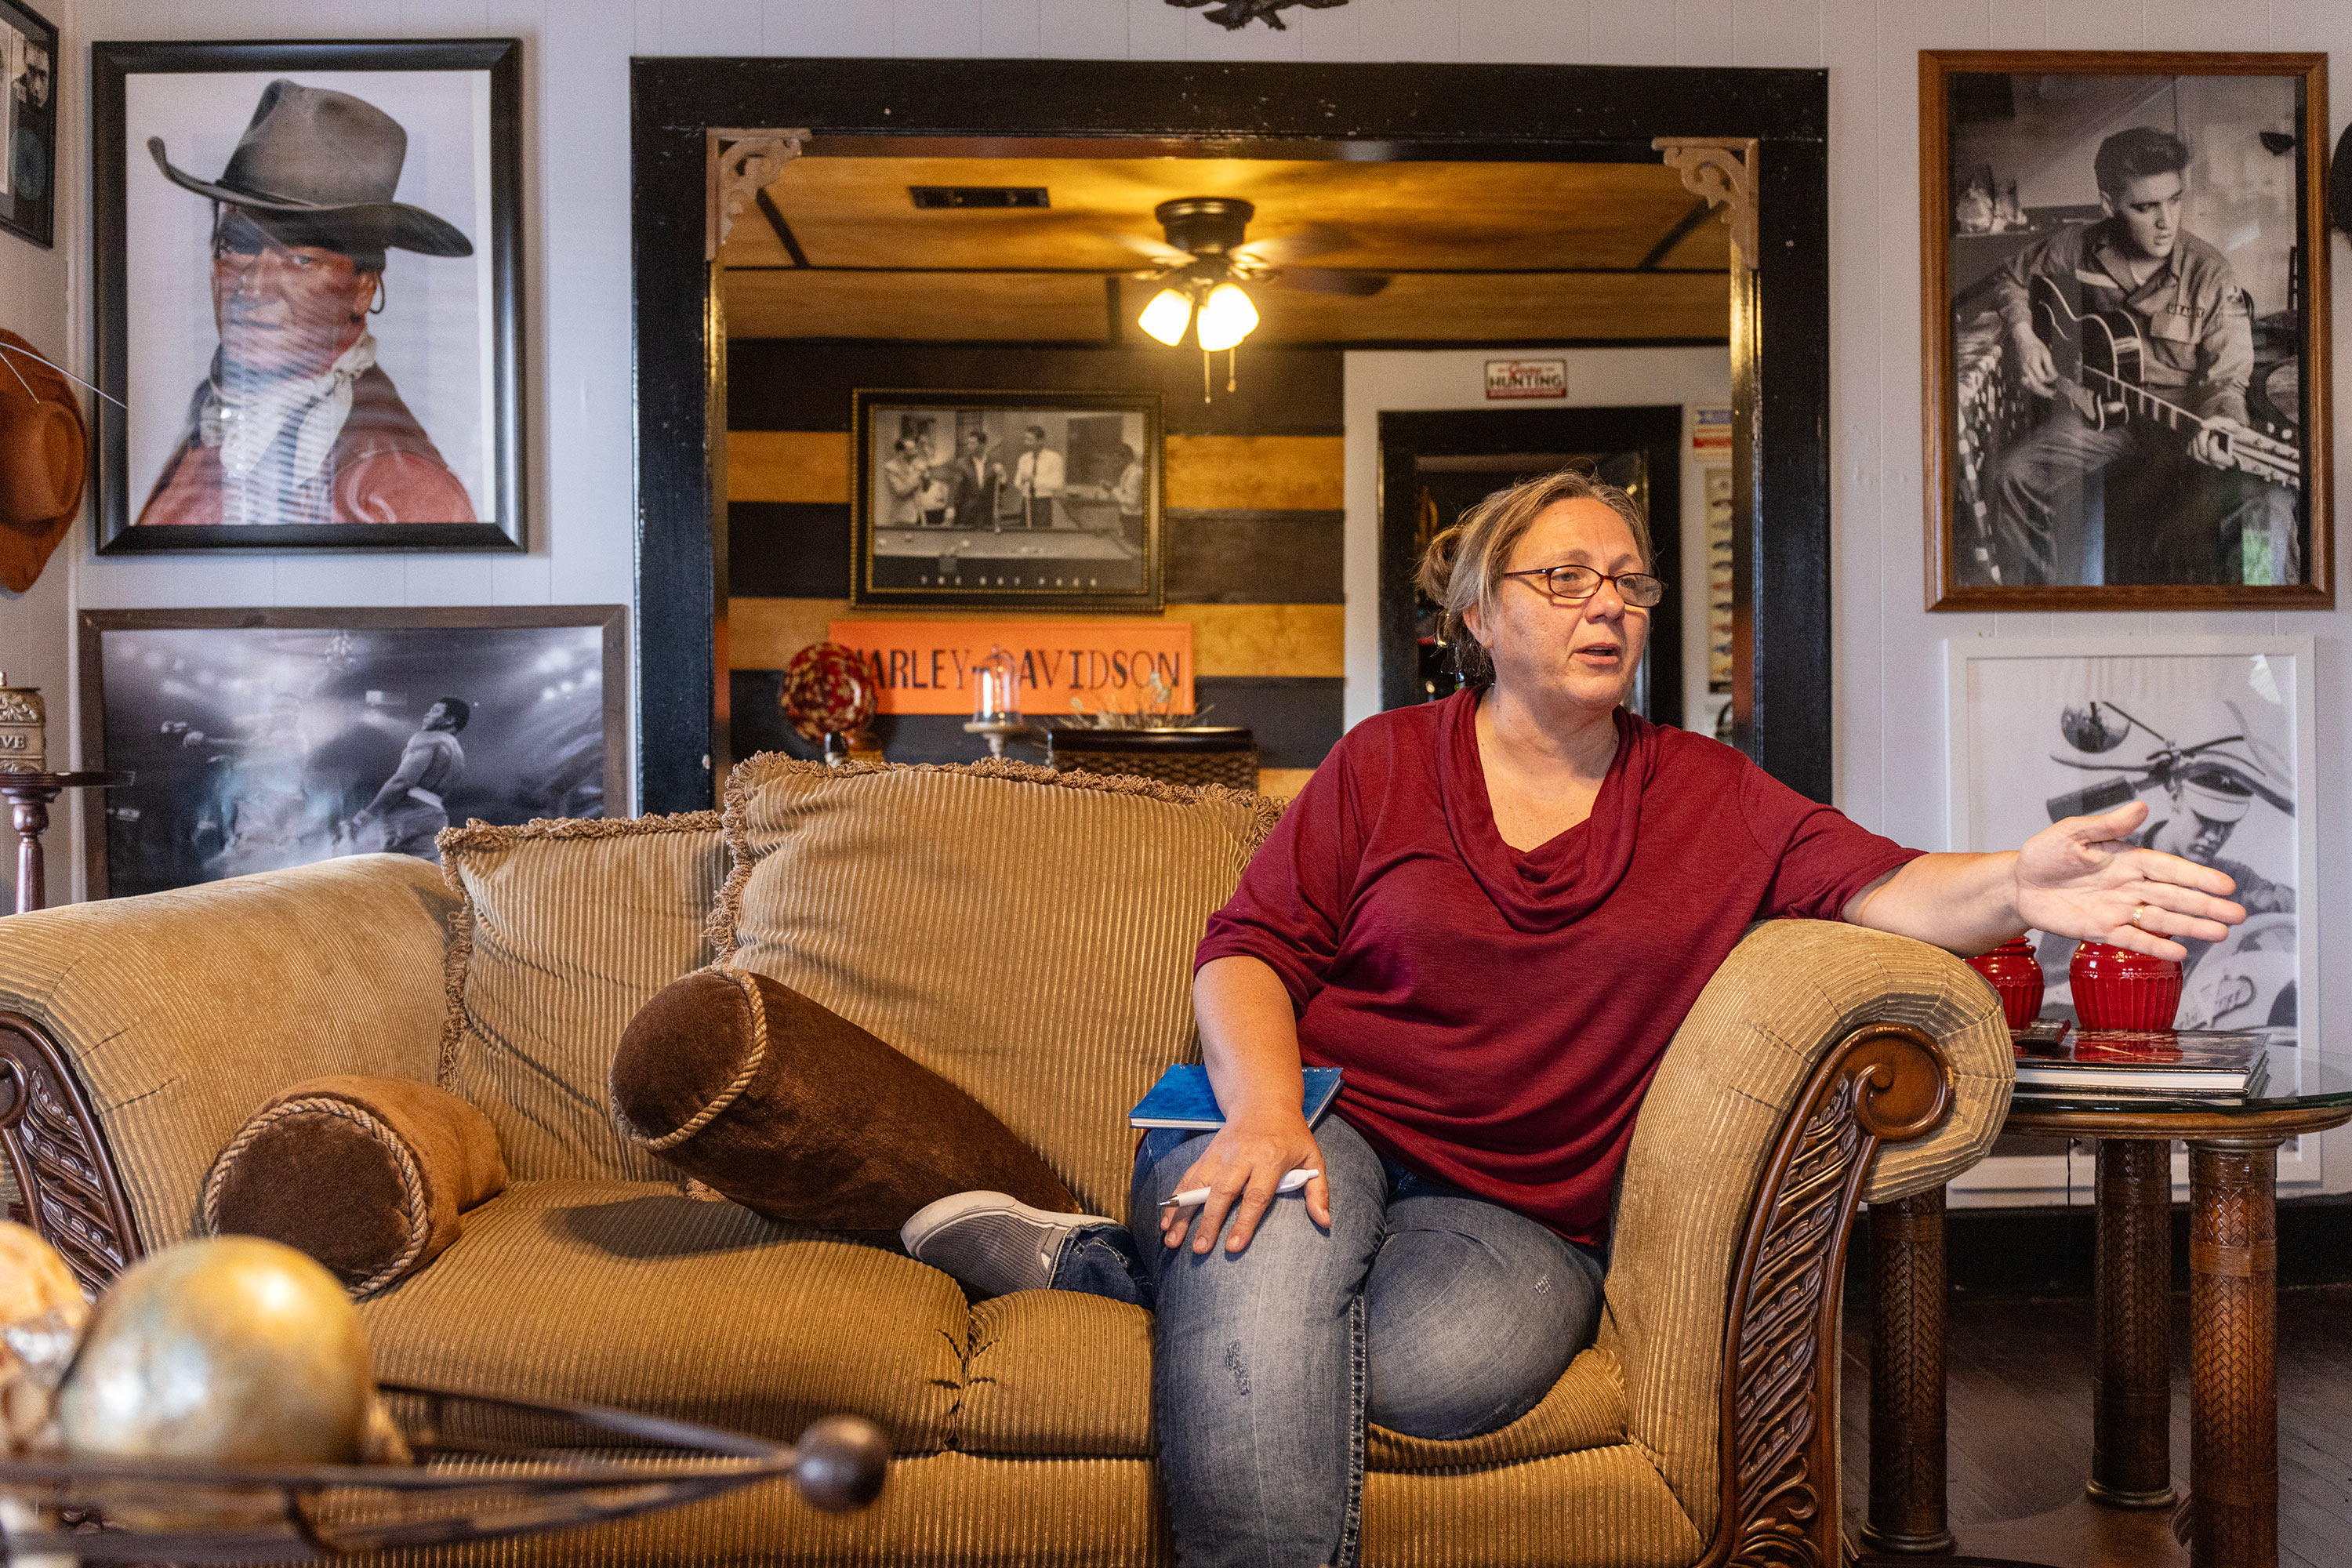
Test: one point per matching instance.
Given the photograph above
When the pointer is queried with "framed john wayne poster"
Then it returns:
(2125, 312)
(307, 290)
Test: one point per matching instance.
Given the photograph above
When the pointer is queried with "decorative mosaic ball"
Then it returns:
(828, 691)
(233, 1350)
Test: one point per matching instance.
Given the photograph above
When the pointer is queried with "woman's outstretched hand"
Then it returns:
(2078, 878)
(1240, 1168)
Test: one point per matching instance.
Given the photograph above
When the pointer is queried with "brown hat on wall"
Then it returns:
(44, 457)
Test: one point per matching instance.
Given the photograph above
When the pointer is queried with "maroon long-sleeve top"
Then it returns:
(1500, 1014)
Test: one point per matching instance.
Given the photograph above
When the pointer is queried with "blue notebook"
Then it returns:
(1183, 1097)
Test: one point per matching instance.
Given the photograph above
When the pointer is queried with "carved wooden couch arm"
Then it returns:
(137, 1035)
(1823, 1064)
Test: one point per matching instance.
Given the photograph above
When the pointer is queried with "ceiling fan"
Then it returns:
(1206, 259)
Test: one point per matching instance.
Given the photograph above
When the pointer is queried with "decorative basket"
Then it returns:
(487, 1467)
(1202, 754)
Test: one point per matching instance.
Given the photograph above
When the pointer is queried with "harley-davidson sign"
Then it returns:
(925, 667)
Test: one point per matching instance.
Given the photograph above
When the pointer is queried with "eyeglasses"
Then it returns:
(1574, 584)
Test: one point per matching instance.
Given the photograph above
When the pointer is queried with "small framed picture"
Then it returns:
(1045, 500)
(28, 123)
(308, 296)
(264, 738)
(2125, 294)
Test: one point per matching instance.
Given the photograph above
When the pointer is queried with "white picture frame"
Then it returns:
(2032, 722)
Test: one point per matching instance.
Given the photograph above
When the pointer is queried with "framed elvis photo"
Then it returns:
(264, 738)
(308, 295)
(1041, 501)
(29, 122)
(2125, 312)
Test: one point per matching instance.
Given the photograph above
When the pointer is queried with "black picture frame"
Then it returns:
(2123, 532)
(385, 708)
(1006, 560)
(499, 526)
(28, 128)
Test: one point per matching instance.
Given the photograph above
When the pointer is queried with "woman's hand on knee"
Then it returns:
(1241, 1168)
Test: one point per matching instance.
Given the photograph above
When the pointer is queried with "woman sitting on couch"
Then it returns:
(1492, 912)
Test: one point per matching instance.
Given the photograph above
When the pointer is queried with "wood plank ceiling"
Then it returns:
(1477, 252)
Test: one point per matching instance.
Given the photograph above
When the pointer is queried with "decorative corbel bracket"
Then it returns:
(741, 164)
(1723, 173)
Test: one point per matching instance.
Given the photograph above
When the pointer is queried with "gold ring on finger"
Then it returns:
(2137, 910)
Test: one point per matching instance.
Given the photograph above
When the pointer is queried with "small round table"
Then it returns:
(28, 797)
(2231, 1516)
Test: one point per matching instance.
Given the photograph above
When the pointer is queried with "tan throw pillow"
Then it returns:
(566, 930)
(800, 1115)
(1025, 934)
(368, 1175)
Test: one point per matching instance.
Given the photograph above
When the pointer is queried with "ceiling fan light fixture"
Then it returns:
(1166, 316)
(1226, 317)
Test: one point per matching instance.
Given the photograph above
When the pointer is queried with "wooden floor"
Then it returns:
(2020, 1425)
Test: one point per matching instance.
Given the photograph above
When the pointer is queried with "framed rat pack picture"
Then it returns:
(2125, 310)
(307, 298)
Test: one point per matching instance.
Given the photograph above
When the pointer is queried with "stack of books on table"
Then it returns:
(2054, 1057)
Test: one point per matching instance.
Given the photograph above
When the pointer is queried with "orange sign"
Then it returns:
(925, 667)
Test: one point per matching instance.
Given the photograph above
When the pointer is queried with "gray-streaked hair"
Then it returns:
(1464, 564)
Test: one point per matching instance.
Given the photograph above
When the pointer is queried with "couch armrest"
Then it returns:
(137, 1035)
(1815, 1043)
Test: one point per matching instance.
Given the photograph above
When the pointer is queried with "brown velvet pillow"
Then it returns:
(368, 1175)
(798, 1114)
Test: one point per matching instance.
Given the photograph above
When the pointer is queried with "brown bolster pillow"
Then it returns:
(798, 1114)
(368, 1175)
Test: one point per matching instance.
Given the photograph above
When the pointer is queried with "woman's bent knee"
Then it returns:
(1462, 1341)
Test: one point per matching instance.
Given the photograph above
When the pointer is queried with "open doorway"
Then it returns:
(1343, 119)
(1435, 465)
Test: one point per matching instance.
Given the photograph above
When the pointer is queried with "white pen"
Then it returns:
(1193, 1197)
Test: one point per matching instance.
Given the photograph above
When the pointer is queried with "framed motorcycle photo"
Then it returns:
(2215, 736)
(2124, 314)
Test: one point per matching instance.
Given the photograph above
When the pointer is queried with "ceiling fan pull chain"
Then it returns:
(1230, 353)
(1204, 375)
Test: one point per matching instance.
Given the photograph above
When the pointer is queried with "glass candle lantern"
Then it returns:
(996, 689)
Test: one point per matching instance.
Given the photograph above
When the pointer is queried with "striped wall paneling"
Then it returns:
(1253, 520)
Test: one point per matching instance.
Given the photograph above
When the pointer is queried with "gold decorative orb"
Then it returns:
(233, 1350)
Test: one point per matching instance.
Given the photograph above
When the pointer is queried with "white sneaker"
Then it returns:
(992, 1241)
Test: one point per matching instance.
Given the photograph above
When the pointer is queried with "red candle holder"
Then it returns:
(2115, 988)
(2015, 975)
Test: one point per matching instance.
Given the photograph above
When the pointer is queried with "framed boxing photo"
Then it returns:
(2124, 314)
(269, 738)
(308, 323)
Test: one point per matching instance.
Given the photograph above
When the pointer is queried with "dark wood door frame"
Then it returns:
(1779, 315)
(1655, 431)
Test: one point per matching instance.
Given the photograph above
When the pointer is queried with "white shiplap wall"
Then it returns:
(1890, 723)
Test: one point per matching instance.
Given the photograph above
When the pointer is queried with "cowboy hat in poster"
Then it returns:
(306, 278)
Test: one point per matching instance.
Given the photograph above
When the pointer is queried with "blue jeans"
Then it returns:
(1432, 1312)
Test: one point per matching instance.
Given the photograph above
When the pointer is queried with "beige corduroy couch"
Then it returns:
(1028, 934)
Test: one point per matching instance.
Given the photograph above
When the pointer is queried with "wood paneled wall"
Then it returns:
(1255, 515)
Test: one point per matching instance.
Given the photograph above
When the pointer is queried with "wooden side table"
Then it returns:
(28, 797)
(2230, 1518)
